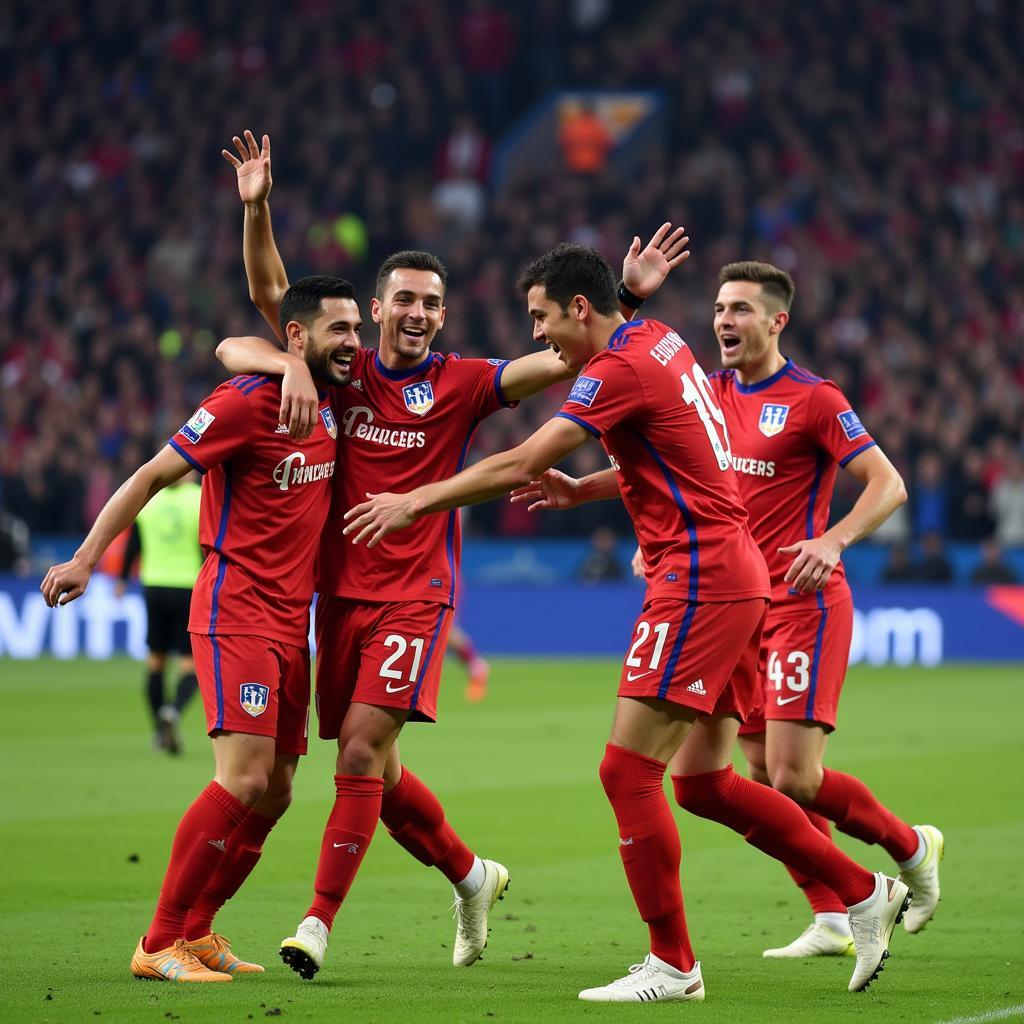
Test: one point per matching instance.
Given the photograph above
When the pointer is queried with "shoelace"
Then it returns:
(463, 916)
(637, 972)
(185, 956)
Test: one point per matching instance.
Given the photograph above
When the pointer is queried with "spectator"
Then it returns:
(1008, 502)
(601, 564)
(934, 566)
(992, 568)
(585, 139)
(898, 567)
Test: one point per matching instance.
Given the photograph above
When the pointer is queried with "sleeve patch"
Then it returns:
(197, 426)
(584, 391)
(851, 424)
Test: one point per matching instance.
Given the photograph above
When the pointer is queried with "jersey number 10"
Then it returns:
(699, 396)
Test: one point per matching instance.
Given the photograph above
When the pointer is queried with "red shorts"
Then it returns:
(701, 655)
(804, 653)
(385, 653)
(254, 685)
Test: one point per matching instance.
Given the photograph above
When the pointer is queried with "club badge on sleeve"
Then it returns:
(851, 424)
(419, 397)
(196, 427)
(773, 419)
(584, 391)
(253, 697)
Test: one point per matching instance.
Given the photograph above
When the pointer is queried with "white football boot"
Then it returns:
(471, 914)
(304, 951)
(923, 878)
(872, 923)
(817, 940)
(650, 982)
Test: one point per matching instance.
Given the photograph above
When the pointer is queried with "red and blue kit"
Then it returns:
(264, 503)
(789, 434)
(398, 429)
(650, 404)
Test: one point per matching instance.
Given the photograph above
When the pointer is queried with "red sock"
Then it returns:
(196, 853)
(347, 836)
(244, 850)
(821, 898)
(775, 825)
(415, 819)
(462, 644)
(845, 800)
(650, 849)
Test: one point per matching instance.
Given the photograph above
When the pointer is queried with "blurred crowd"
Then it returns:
(874, 150)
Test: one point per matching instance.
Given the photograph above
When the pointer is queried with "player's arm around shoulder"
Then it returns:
(65, 582)
(529, 375)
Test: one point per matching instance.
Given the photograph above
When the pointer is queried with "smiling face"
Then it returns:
(564, 331)
(331, 341)
(747, 326)
(410, 313)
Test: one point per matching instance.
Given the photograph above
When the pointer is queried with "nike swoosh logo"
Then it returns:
(396, 689)
(788, 700)
(630, 678)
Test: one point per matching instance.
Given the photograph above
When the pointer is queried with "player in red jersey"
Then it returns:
(383, 617)
(265, 498)
(791, 432)
(690, 671)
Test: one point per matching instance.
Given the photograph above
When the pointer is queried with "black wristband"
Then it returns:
(627, 298)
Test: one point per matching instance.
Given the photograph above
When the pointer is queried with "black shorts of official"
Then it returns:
(167, 619)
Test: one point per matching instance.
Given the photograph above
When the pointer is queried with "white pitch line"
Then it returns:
(982, 1018)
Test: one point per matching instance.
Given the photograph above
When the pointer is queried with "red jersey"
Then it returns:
(400, 429)
(649, 402)
(789, 434)
(264, 502)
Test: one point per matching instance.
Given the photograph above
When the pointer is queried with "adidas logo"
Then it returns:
(357, 384)
(220, 844)
(282, 428)
(697, 687)
(626, 842)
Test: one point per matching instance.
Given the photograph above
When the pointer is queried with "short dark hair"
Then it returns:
(776, 284)
(302, 300)
(569, 270)
(410, 259)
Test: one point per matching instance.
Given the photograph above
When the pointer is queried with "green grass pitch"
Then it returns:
(89, 809)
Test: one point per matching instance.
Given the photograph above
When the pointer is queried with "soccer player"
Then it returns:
(165, 538)
(265, 498)
(690, 671)
(383, 618)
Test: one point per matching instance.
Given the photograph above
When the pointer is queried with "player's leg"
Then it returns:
(479, 671)
(829, 932)
(176, 603)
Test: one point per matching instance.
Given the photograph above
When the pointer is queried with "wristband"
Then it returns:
(627, 298)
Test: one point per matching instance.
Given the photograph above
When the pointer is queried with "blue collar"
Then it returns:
(749, 389)
(402, 374)
(621, 329)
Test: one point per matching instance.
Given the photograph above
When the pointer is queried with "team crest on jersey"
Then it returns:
(253, 697)
(329, 422)
(773, 419)
(419, 397)
(851, 424)
(585, 390)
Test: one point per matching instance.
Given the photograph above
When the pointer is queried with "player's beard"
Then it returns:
(323, 367)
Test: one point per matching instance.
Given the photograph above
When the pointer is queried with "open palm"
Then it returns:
(644, 270)
(253, 170)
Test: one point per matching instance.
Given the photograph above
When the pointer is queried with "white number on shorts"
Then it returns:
(643, 631)
(400, 645)
(801, 663)
(701, 398)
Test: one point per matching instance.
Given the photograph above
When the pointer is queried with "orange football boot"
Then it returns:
(213, 951)
(175, 963)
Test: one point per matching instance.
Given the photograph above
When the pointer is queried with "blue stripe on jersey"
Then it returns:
(583, 423)
(803, 378)
(430, 654)
(243, 379)
(691, 526)
(617, 340)
(403, 374)
(254, 385)
(677, 649)
(222, 567)
(449, 542)
(497, 383)
(815, 661)
(856, 452)
(218, 684)
(819, 468)
(202, 469)
(749, 389)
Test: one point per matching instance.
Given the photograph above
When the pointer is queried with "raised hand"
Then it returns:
(552, 489)
(644, 270)
(253, 170)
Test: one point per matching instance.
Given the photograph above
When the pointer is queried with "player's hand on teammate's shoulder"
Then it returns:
(552, 489)
(299, 400)
(814, 560)
(644, 269)
(382, 514)
(65, 582)
(253, 170)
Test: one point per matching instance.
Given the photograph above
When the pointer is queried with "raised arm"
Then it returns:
(644, 270)
(264, 268)
(489, 478)
(65, 582)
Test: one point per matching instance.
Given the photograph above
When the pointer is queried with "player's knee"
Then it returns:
(277, 799)
(796, 782)
(612, 777)
(359, 756)
(248, 784)
(759, 773)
